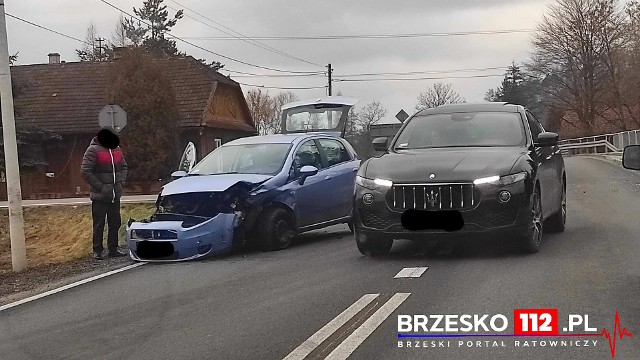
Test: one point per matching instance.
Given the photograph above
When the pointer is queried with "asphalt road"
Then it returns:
(265, 305)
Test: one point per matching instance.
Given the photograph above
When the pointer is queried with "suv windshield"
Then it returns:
(266, 159)
(462, 129)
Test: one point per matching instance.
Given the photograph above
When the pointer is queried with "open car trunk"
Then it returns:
(327, 114)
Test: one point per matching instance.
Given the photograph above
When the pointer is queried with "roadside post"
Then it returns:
(14, 193)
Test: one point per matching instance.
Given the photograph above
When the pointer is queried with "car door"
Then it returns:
(544, 159)
(311, 197)
(341, 172)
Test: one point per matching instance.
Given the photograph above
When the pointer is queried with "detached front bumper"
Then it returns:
(169, 241)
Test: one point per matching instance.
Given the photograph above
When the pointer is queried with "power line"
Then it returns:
(420, 78)
(424, 72)
(241, 36)
(284, 88)
(204, 49)
(247, 74)
(370, 36)
(46, 28)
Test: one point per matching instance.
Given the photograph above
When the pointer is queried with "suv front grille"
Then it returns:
(455, 196)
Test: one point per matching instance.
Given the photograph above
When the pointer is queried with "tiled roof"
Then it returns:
(67, 97)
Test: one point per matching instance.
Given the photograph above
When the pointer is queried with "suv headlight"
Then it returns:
(373, 184)
(501, 180)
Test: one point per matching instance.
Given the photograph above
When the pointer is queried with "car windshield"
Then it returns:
(462, 130)
(266, 159)
(313, 117)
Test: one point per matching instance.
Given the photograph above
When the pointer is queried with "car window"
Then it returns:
(307, 154)
(534, 126)
(335, 151)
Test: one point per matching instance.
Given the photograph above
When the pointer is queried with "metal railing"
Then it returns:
(606, 143)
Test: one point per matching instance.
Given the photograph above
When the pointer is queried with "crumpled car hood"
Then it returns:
(209, 183)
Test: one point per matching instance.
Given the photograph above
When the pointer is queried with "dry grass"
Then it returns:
(59, 234)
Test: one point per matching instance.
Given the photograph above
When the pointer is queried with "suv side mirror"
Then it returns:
(305, 172)
(380, 144)
(631, 157)
(547, 138)
(178, 174)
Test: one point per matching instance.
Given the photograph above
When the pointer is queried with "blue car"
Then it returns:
(261, 189)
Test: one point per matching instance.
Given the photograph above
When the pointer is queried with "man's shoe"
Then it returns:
(116, 253)
(97, 255)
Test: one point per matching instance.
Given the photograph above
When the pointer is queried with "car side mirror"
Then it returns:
(380, 144)
(547, 138)
(631, 157)
(178, 174)
(305, 172)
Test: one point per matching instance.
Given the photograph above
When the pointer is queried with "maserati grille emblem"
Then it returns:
(432, 176)
(432, 198)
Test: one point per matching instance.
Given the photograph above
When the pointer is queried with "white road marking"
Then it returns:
(69, 286)
(411, 272)
(321, 335)
(351, 343)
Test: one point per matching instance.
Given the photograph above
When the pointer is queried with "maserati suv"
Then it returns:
(464, 169)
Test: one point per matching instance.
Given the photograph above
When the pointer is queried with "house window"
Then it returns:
(218, 143)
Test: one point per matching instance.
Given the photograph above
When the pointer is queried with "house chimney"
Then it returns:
(54, 58)
(118, 52)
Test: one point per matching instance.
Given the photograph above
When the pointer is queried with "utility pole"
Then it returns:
(100, 48)
(329, 74)
(14, 194)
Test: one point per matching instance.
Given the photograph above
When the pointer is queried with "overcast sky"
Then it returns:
(315, 18)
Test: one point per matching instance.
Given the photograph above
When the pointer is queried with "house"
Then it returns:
(66, 98)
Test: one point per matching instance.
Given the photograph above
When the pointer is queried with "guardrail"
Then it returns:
(606, 143)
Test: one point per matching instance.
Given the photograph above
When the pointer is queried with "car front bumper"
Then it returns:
(488, 215)
(161, 241)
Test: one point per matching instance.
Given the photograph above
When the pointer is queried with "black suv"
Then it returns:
(462, 169)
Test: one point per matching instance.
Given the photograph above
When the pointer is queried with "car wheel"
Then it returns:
(558, 221)
(350, 224)
(276, 230)
(371, 245)
(532, 240)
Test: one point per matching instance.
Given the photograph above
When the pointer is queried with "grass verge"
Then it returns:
(59, 234)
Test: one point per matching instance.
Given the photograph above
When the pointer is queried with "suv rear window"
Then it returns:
(462, 130)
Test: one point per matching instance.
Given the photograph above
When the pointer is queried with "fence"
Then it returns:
(606, 143)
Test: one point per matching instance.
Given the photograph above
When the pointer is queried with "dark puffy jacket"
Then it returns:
(105, 170)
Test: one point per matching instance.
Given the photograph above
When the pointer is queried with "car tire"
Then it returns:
(558, 221)
(371, 245)
(533, 239)
(350, 224)
(275, 230)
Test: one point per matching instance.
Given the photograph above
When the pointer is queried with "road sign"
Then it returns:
(402, 115)
(112, 116)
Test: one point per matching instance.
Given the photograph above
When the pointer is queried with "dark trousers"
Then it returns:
(100, 210)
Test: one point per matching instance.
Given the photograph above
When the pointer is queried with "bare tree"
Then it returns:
(93, 49)
(261, 107)
(119, 35)
(371, 114)
(437, 95)
(279, 100)
(573, 50)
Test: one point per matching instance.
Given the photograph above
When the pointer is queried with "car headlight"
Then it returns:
(373, 184)
(501, 180)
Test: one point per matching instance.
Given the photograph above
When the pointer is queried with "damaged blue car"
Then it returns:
(262, 190)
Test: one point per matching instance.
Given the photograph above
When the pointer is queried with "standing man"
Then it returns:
(104, 168)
